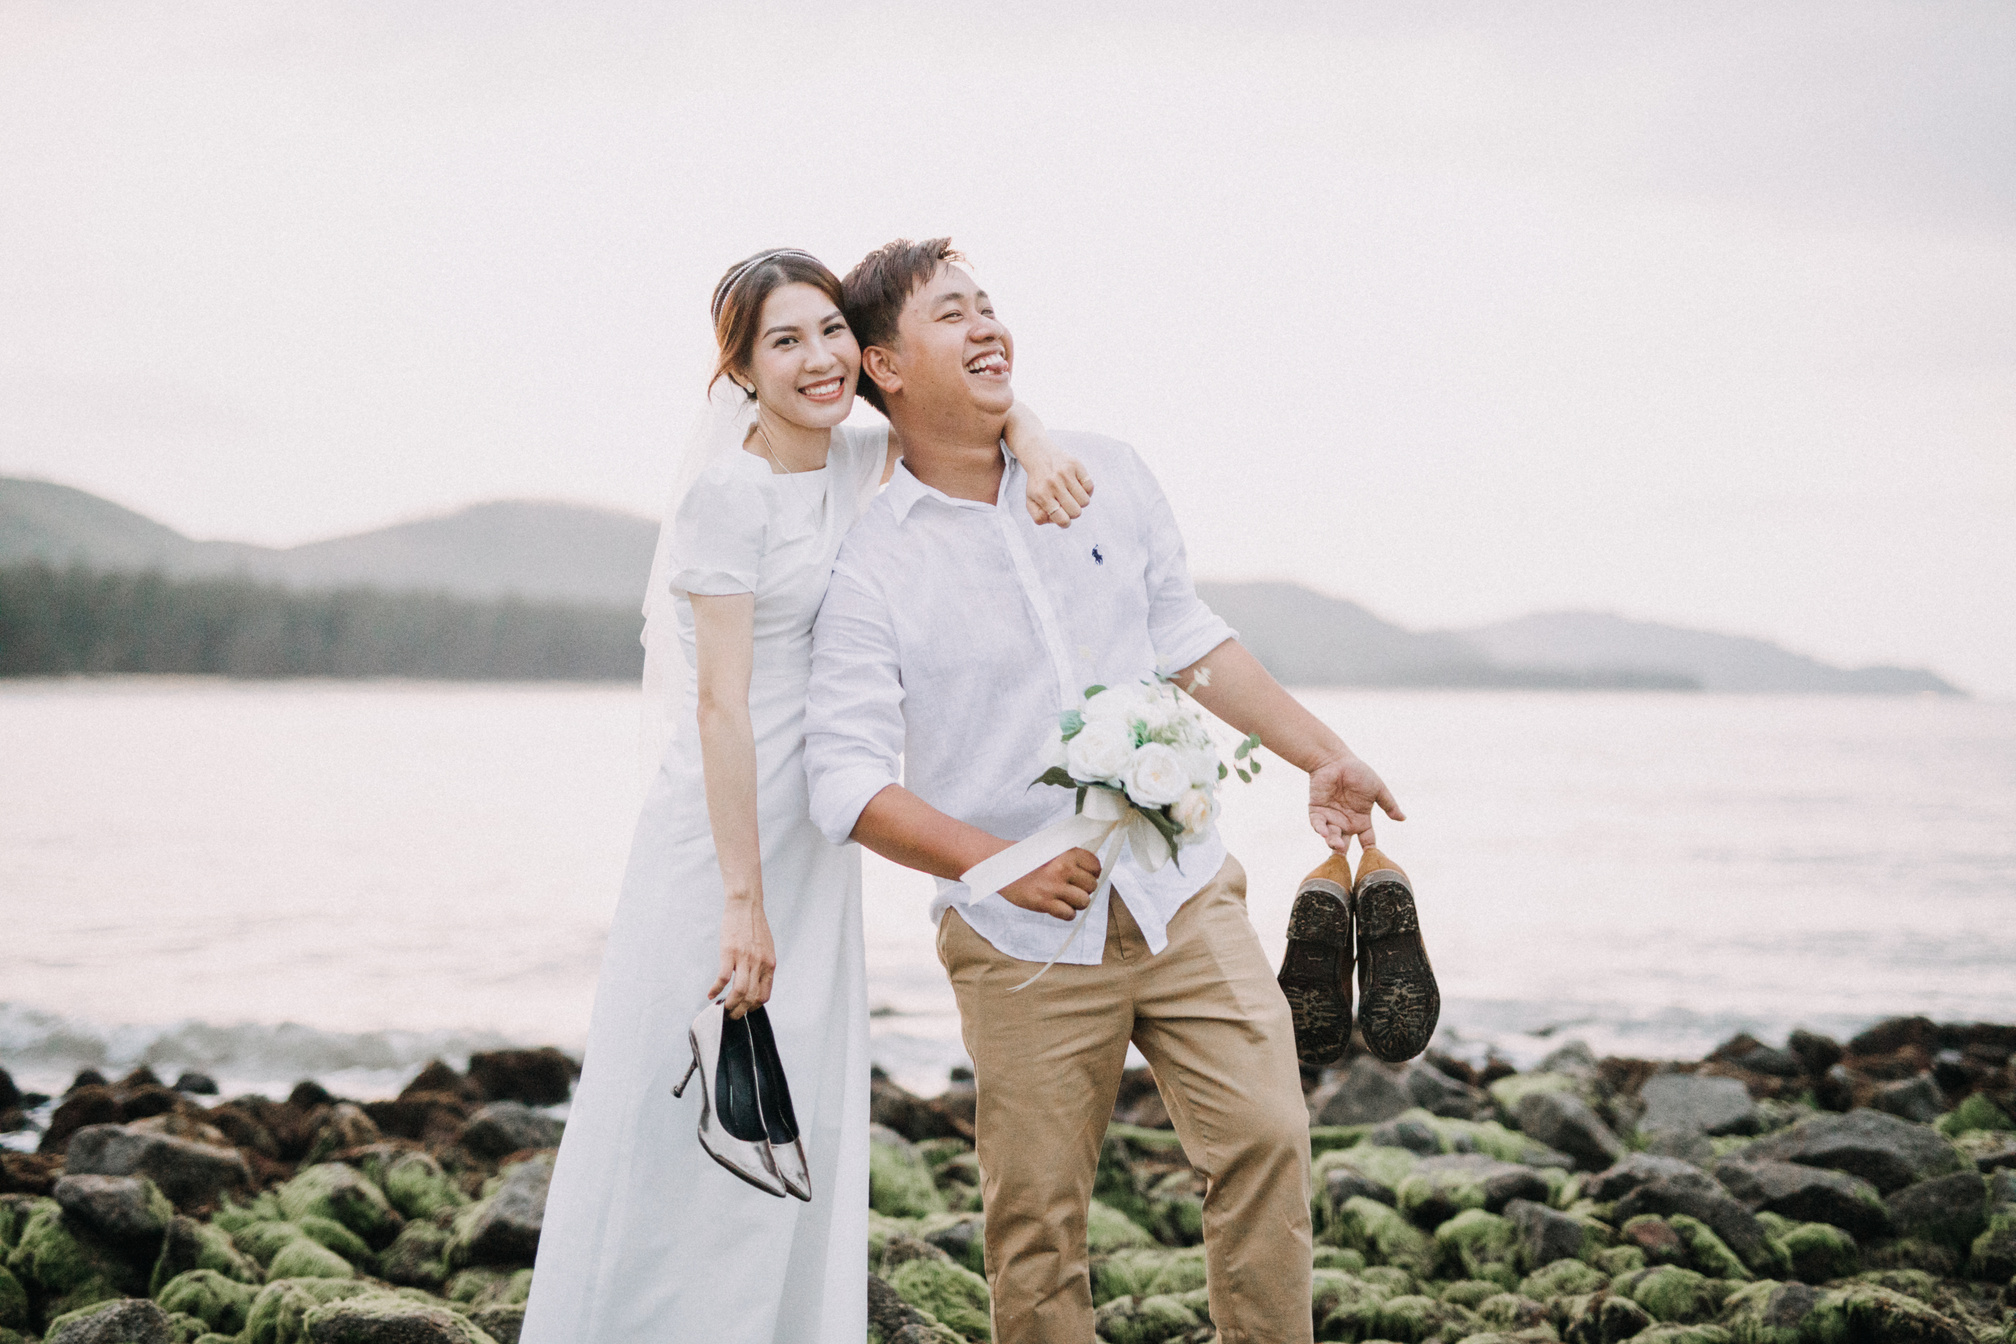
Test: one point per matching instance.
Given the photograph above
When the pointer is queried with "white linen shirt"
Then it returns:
(954, 633)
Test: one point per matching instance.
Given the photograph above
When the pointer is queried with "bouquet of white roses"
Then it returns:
(1149, 742)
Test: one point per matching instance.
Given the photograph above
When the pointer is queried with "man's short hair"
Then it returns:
(873, 294)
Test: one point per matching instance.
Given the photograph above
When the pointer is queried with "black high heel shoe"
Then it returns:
(773, 1098)
(729, 1092)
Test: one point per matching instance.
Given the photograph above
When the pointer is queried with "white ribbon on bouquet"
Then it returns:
(1106, 820)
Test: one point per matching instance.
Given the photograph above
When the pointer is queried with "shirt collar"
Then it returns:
(905, 490)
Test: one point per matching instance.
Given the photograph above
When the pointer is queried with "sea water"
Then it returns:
(274, 880)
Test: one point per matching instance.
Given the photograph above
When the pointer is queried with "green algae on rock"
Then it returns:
(219, 1302)
(343, 1194)
(899, 1181)
(371, 1318)
(305, 1258)
(952, 1293)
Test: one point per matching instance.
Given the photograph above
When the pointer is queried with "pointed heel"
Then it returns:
(691, 1069)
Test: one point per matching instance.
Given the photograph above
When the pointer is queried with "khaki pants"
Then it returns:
(1211, 1020)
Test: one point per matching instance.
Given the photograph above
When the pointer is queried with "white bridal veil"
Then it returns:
(718, 429)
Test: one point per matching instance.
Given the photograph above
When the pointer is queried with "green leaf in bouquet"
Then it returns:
(1160, 819)
(1091, 691)
(1057, 775)
(1222, 771)
(1254, 765)
(1245, 778)
(1239, 752)
(1072, 722)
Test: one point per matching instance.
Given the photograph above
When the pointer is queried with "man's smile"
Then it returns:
(992, 364)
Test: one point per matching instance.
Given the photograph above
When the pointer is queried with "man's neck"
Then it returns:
(963, 460)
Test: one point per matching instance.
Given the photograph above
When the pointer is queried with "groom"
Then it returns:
(952, 635)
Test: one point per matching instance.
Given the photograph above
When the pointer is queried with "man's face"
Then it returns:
(953, 355)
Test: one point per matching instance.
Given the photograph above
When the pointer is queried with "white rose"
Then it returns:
(1114, 703)
(1194, 811)
(1158, 776)
(1203, 763)
(1100, 751)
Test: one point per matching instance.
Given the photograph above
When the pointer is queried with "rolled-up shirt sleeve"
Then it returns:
(1180, 627)
(854, 709)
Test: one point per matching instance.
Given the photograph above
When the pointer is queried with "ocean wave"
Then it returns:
(44, 1048)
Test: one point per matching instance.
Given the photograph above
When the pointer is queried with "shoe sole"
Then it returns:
(1316, 972)
(1399, 1002)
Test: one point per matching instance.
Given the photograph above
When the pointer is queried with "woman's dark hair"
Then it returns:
(738, 300)
(880, 285)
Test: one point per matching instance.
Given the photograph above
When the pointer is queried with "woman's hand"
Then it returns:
(1060, 493)
(1059, 485)
(748, 957)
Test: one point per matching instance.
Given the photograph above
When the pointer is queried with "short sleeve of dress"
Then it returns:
(717, 536)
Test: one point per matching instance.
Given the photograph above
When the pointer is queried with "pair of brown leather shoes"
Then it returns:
(1398, 1001)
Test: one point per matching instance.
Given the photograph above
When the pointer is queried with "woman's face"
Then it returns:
(806, 359)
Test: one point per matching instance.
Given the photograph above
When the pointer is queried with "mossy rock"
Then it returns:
(1670, 1294)
(1413, 1319)
(1683, 1334)
(231, 1215)
(309, 1259)
(502, 1323)
(1388, 1166)
(1863, 1313)
(1333, 1290)
(1767, 1312)
(899, 1182)
(1146, 1272)
(1601, 1318)
(1108, 1230)
(1821, 1253)
(340, 1239)
(1510, 1313)
(1382, 1236)
(279, 1313)
(1913, 1253)
(1563, 1278)
(1615, 1260)
(371, 1318)
(1395, 1280)
(1469, 1293)
(1338, 1257)
(1707, 1253)
(418, 1258)
(264, 1240)
(1148, 1320)
(1992, 1258)
(186, 1329)
(220, 1302)
(414, 1184)
(193, 1245)
(1507, 1092)
(343, 1194)
(469, 1284)
(66, 1266)
(882, 1227)
(952, 1293)
(1974, 1113)
(1480, 1246)
(13, 1302)
(116, 1321)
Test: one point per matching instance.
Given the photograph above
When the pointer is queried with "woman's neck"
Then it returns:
(786, 446)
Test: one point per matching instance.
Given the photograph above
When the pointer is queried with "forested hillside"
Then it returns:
(58, 621)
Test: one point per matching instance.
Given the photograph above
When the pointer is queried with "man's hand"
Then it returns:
(1342, 790)
(1060, 888)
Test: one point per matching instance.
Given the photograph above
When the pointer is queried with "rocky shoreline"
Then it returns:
(1814, 1193)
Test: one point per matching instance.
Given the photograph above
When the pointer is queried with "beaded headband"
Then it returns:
(734, 277)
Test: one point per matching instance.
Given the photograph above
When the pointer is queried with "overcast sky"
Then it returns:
(1697, 312)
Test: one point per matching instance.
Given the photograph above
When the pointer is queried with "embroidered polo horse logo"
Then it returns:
(1097, 558)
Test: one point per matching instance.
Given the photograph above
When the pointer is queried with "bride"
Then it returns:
(758, 1230)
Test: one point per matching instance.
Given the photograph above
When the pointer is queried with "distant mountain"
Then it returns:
(529, 548)
(1594, 641)
(1307, 639)
(573, 553)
